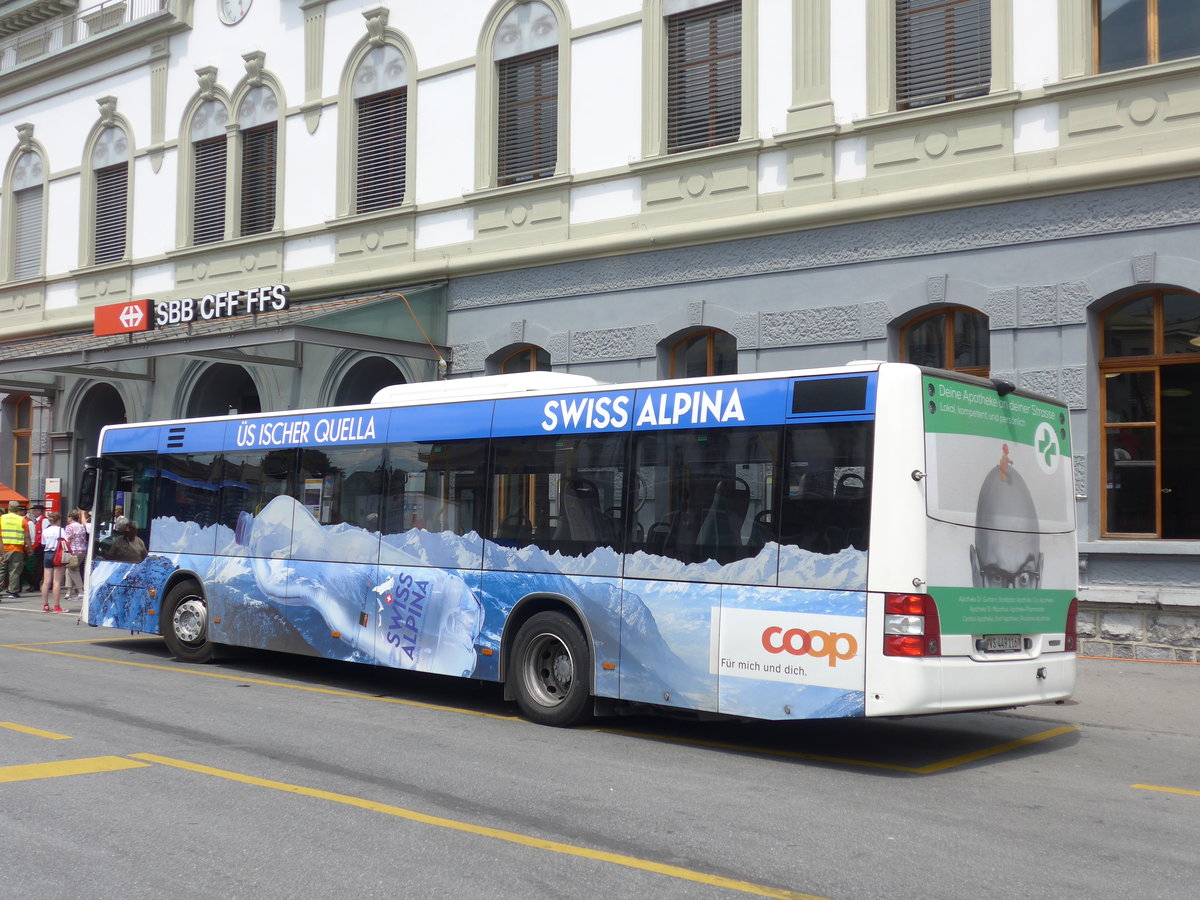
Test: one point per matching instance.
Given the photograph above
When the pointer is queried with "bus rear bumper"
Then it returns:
(901, 687)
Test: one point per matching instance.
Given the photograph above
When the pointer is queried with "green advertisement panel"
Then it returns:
(1000, 498)
(999, 611)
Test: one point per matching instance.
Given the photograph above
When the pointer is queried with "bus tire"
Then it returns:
(550, 669)
(185, 623)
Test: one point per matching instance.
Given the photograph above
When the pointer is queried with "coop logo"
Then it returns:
(122, 318)
(819, 644)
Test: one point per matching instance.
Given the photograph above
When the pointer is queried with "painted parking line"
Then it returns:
(929, 769)
(512, 837)
(36, 732)
(91, 766)
(1166, 790)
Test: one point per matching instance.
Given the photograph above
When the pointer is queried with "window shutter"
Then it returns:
(943, 51)
(27, 246)
(527, 140)
(258, 178)
(208, 191)
(382, 144)
(112, 194)
(704, 77)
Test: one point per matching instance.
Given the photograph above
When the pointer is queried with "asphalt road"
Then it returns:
(124, 773)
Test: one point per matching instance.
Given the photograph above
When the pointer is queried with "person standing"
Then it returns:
(77, 540)
(52, 580)
(34, 524)
(16, 545)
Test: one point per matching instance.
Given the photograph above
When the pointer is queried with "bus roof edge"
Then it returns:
(482, 386)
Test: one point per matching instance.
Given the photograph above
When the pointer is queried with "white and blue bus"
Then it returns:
(875, 539)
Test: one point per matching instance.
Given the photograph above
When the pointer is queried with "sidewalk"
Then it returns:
(1136, 695)
(31, 601)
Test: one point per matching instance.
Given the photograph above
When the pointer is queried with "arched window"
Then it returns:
(525, 359)
(703, 353)
(28, 208)
(380, 91)
(525, 51)
(258, 124)
(1150, 394)
(209, 152)
(110, 171)
(955, 338)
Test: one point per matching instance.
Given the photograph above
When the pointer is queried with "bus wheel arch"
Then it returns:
(547, 661)
(184, 624)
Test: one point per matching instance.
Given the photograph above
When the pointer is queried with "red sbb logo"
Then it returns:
(798, 642)
(122, 318)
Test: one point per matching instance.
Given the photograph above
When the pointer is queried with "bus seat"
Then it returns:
(720, 535)
(581, 518)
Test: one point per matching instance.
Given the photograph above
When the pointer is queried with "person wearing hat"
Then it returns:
(126, 545)
(16, 545)
(34, 567)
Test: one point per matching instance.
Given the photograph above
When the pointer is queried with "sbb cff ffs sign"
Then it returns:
(142, 315)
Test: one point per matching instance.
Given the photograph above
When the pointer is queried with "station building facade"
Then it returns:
(310, 199)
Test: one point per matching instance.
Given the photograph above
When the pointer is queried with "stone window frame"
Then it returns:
(537, 354)
(88, 225)
(487, 98)
(256, 77)
(185, 193)
(654, 79)
(948, 310)
(28, 147)
(1153, 363)
(881, 57)
(379, 35)
(710, 334)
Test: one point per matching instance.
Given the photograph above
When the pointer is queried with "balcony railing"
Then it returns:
(52, 37)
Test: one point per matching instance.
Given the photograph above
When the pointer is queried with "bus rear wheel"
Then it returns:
(550, 670)
(185, 623)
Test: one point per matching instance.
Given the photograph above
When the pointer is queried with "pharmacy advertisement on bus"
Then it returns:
(1000, 496)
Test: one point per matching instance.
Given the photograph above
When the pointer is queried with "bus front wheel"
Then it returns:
(550, 670)
(185, 623)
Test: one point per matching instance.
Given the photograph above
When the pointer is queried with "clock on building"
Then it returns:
(233, 11)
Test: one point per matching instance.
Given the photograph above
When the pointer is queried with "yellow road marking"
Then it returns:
(36, 732)
(1167, 790)
(929, 769)
(68, 767)
(499, 834)
(999, 748)
(940, 766)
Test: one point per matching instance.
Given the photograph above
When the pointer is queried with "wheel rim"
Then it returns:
(549, 670)
(189, 620)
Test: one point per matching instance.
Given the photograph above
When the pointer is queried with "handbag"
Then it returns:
(63, 555)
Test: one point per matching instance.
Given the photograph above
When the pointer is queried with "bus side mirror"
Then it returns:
(87, 490)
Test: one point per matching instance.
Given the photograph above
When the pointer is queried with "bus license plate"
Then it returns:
(999, 643)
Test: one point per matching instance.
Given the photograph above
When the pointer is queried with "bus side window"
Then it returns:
(705, 496)
(563, 493)
(826, 507)
(436, 487)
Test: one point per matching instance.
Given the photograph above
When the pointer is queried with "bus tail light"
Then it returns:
(910, 625)
(1071, 644)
